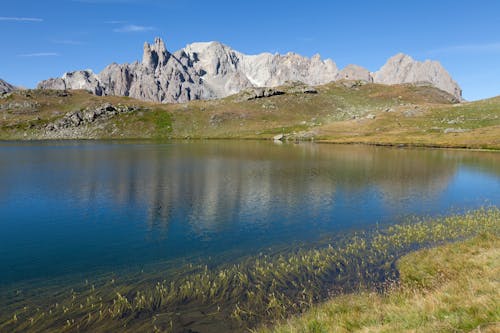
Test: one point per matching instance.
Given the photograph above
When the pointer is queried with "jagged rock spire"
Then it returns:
(155, 54)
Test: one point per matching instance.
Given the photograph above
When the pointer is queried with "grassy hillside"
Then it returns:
(452, 288)
(342, 112)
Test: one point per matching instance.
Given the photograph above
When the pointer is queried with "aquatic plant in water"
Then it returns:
(257, 289)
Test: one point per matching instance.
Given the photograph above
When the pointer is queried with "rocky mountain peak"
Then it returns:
(402, 68)
(155, 54)
(400, 58)
(356, 73)
(213, 70)
(6, 87)
(316, 57)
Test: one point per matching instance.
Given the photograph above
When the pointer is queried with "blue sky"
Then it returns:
(42, 39)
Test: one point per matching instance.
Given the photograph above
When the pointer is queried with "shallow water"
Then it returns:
(78, 208)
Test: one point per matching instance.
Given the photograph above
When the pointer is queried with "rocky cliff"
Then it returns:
(402, 68)
(214, 70)
(6, 87)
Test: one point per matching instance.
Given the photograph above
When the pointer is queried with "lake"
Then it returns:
(78, 210)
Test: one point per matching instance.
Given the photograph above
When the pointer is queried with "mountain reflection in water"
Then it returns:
(106, 205)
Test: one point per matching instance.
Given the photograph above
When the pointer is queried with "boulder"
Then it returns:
(279, 137)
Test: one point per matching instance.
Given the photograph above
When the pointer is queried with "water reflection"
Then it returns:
(109, 204)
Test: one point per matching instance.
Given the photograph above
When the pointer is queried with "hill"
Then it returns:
(339, 112)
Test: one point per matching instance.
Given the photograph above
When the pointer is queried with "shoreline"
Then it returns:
(429, 297)
(360, 262)
(398, 145)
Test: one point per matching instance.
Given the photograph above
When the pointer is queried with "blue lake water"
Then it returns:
(80, 208)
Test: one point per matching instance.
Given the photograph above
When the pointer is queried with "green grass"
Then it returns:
(259, 289)
(452, 288)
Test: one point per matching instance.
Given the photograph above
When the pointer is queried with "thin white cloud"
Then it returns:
(20, 19)
(133, 28)
(40, 54)
(468, 48)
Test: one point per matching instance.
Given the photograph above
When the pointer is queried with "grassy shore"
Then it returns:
(271, 287)
(340, 112)
(451, 288)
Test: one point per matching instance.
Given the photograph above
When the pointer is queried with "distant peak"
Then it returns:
(400, 57)
(202, 46)
(401, 68)
(159, 45)
(6, 87)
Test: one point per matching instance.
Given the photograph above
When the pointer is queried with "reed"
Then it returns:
(449, 288)
(258, 289)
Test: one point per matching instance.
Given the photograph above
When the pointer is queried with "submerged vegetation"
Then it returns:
(451, 288)
(257, 290)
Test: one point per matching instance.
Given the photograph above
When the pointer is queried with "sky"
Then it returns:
(42, 39)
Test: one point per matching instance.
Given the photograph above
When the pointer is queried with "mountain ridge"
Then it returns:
(6, 87)
(211, 70)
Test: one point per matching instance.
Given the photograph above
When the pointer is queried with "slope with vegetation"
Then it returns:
(340, 112)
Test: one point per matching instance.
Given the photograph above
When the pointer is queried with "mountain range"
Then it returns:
(213, 70)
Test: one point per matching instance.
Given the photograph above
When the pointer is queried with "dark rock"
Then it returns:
(255, 93)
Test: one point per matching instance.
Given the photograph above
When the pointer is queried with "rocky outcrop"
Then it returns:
(6, 87)
(214, 70)
(88, 116)
(404, 69)
(254, 93)
(22, 107)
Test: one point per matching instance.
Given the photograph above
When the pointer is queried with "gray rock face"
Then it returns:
(199, 71)
(402, 68)
(356, 73)
(85, 79)
(6, 87)
(213, 70)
